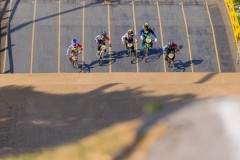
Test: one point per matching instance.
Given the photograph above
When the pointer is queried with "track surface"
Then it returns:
(37, 28)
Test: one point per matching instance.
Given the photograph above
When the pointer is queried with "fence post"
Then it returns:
(238, 52)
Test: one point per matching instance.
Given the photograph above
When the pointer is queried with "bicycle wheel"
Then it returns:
(100, 58)
(72, 62)
(76, 64)
(146, 54)
(171, 64)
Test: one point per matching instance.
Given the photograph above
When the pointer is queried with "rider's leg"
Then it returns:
(173, 57)
(126, 42)
(151, 44)
(143, 45)
(70, 57)
(77, 57)
(132, 50)
(98, 51)
(166, 57)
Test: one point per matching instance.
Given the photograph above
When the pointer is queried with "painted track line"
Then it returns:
(160, 24)
(188, 39)
(6, 40)
(33, 31)
(59, 36)
(83, 29)
(214, 39)
(109, 31)
(135, 31)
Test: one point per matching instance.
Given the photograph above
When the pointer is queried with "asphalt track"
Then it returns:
(40, 33)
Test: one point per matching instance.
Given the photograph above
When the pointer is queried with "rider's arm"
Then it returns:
(176, 47)
(124, 36)
(80, 46)
(165, 48)
(96, 38)
(151, 31)
(69, 48)
(108, 39)
(141, 32)
(135, 37)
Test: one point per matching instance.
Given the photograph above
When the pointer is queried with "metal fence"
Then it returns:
(235, 24)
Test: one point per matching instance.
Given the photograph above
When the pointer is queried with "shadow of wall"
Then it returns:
(32, 120)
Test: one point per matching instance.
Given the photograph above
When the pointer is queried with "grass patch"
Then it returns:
(153, 108)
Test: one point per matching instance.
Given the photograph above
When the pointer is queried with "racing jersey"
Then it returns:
(174, 48)
(141, 32)
(97, 38)
(125, 36)
(75, 49)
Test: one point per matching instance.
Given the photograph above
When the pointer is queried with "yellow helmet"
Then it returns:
(146, 25)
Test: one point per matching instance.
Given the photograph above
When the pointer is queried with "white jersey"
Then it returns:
(126, 36)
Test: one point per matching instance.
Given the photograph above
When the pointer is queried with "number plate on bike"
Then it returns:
(74, 58)
(104, 47)
(171, 55)
(130, 45)
(148, 40)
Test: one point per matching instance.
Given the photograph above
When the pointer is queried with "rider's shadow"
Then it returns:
(181, 67)
(107, 60)
(119, 55)
(153, 55)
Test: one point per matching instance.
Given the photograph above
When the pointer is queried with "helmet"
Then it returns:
(170, 43)
(130, 32)
(103, 33)
(74, 42)
(146, 25)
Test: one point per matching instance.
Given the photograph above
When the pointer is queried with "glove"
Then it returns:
(123, 42)
(155, 39)
(141, 37)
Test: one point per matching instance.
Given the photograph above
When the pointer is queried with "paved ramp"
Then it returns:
(38, 111)
(40, 32)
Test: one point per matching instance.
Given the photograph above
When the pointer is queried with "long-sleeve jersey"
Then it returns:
(150, 31)
(175, 47)
(75, 49)
(126, 36)
(97, 38)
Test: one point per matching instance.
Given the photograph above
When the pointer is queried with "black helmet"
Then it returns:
(170, 42)
(130, 32)
(103, 33)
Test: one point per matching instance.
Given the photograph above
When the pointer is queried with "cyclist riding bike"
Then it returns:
(145, 32)
(171, 47)
(74, 48)
(128, 38)
(106, 1)
(100, 38)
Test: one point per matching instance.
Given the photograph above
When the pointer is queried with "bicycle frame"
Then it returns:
(102, 52)
(74, 60)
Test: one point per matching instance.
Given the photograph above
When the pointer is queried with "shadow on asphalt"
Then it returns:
(153, 55)
(33, 120)
(11, 30)
(222, 40)
(181, 66)
(106, 62)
